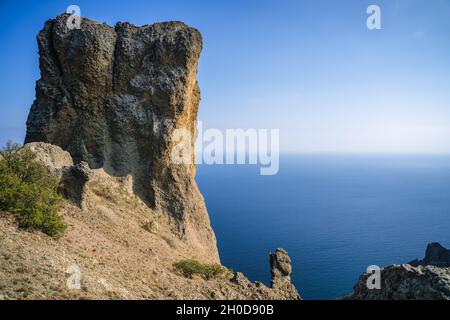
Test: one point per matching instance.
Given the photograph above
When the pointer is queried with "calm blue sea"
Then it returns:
(334, 214)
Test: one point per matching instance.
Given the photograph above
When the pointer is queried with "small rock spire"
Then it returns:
(281, 269)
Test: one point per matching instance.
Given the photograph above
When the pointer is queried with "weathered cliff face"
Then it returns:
(112, 97)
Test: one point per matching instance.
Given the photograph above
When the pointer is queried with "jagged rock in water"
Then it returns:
(113, 97)
(435, 255)
(424, 281)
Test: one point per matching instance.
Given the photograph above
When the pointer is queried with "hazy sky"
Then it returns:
(310, 68)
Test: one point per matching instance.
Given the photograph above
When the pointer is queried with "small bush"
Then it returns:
(190, 268)
(150, 226)
(29, 192)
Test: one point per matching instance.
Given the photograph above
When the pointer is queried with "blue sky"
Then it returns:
(310, 68)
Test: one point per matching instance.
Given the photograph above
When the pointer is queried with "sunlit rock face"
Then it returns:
(112, 97)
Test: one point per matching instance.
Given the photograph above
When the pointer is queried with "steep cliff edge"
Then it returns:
(110, 249)
(107, 104)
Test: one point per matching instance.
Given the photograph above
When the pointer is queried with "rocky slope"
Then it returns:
(116, 256)
(426, 279)
(107, 105)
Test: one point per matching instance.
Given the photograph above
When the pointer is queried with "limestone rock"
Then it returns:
(74, 183)
(72, 177)
(435, 255)
(405, 282)
(425, 281)
(281, 285)
(113, 97)
(281, 269)
(53, 157)
(241, 280)
(280, 263)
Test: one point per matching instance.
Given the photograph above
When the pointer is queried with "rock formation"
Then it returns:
(435, 255)
(106, 106)
(281, 269)
(428, 279)
(281, 285)
(113, 97)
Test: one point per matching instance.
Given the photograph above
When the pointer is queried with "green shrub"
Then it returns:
(190, 268)
(29, 192)
(149, 226)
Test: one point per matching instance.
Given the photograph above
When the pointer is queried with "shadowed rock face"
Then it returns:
(112, 97)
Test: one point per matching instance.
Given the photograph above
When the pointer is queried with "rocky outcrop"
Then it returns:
(72, 177)
(56, 160)
(113, 97)
(435, 255)
(405, 282)
(280, 268)
(281, 285)
(428, 279)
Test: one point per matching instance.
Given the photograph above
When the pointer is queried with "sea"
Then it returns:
(335, 214)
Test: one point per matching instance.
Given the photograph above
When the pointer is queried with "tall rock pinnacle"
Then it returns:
(112, 97)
